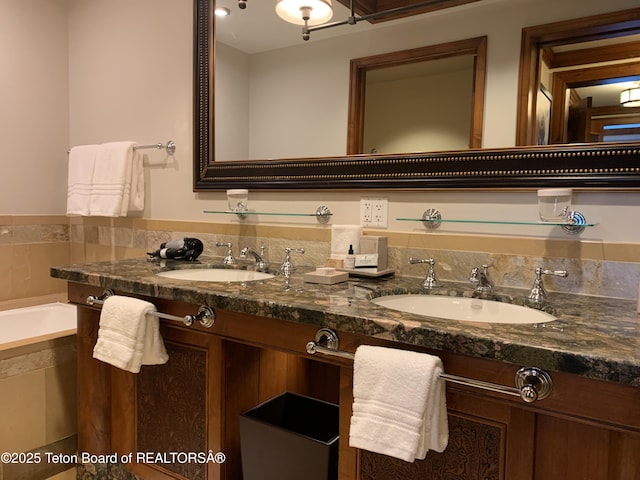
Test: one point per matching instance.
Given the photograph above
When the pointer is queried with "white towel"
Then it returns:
(342, 236)
(399, 406)
(136, 198)
(128, 337)
(82, 160)
(113, 179)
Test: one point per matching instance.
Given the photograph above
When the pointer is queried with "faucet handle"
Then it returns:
(481, 277)
(228, 258)
(287, 267)
(557, 273)
(538, 295)
(476, 274)
(431, 280)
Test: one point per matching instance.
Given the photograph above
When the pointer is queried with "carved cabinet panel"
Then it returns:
(474, 453)
(171, 406)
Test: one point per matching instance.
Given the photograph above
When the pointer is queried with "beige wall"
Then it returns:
(34, 117)
(432, 112)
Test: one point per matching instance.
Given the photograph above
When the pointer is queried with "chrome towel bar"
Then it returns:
(532, 383)
(170, 147)
(205, 314)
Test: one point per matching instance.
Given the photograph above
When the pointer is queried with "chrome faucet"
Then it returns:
(431, 280)
(228, 258)
(480, 276)
(286, 268)
(538, 295)
(259, 257)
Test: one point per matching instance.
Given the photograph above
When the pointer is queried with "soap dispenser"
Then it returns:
(350, 259)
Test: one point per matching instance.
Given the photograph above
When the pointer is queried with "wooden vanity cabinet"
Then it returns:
(585, 430)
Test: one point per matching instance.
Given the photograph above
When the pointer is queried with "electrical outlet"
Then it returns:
(374, 212)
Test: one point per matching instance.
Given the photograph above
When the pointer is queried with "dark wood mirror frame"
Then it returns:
(586, 165)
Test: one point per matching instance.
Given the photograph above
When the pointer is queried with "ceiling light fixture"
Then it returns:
(630, 97)
(305, 12)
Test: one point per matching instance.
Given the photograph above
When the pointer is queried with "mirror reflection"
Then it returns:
(434, 94)
(584, 88)
(428, 108)
(261, 80)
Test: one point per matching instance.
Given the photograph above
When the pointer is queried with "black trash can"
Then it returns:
(290, 437)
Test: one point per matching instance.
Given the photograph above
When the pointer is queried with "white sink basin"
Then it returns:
(215, 275)
(464, 309)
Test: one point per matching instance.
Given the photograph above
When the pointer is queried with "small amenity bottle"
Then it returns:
(350, 259)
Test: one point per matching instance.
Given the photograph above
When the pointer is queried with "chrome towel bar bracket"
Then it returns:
(532, 383)
(205, 314)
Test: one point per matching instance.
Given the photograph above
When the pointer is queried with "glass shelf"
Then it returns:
(322, 214)
(432, 218)
(501, 222)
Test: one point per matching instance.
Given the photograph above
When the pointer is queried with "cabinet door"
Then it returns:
(570, 450)
(488, 440)
(168, 413)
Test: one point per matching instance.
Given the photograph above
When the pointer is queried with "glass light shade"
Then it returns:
(630, 97)
(321, 11)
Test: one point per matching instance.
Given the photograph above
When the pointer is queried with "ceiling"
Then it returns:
(258, 28)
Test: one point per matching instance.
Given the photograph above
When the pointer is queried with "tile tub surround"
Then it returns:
(38, 404)
(596, 337)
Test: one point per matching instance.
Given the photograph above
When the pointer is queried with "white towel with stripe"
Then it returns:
(399, 406)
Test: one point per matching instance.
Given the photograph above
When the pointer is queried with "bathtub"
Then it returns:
(38, 381)
(29, 325)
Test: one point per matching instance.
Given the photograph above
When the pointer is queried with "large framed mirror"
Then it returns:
(584, 165)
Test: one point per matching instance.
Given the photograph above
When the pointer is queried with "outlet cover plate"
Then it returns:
(374, 212)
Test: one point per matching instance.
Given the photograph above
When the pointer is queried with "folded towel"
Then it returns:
(399, 406)
(128, 337)
(111, 186)
(136, 198)
(342, 236)
(82, 160)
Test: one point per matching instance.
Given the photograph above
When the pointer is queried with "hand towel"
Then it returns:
(82, 160)
(399, 406)
(127, 336)
(136, 198)
(342, 236)
(111, 188)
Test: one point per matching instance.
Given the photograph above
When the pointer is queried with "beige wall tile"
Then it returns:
(60, 401)
(6, 275)
(22, 413)
(29, 269)
(39, 219)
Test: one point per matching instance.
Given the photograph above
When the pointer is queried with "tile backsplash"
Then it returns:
(594, 269)
(29, 245)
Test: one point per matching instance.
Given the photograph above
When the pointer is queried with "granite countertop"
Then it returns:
(595, 337)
